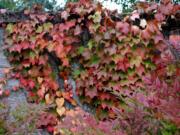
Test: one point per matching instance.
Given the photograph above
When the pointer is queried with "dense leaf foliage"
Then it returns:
(126, 71)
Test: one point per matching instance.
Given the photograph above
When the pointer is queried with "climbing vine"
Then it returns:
(87, 55)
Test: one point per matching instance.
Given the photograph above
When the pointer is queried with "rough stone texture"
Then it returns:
(1, 73)
(5, 64)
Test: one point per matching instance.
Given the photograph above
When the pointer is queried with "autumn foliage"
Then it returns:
(125, 71)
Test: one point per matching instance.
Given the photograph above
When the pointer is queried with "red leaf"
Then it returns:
(176, 85)
(178, 71)
(91, 92)
(134, 16)
(142, 99)
(160, 17)
(135, 30)
(147, 80)
(123, 27)
(165, 88)
(67, 25)
(1, 92)
(77, 30)
(167, 56)
(123, 64)
(104, 96)
(41, 91)
(23, 82)
(166, 9)
(145, 34)
(157, 83)
(158, 38)
(52, 84)
(140, 70)
(50, 129)
(65, 61)
(31, 84)
(59, 50)
(7, 92)
(64, 15)
(25, 44)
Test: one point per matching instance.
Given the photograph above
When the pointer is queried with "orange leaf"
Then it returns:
(60, 102)
(49, 99)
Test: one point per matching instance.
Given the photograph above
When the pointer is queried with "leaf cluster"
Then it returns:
(119, 63)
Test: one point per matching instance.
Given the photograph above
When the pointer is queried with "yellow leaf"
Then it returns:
(61, 110)
(39, 29)
(10, 28)
(50, 47)
(135, 61)
(60, 102)
(47, 26)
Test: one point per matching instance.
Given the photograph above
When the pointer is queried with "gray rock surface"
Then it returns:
(5, 64)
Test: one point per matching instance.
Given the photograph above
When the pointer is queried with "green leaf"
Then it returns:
(95, 59)
(96, 102)
(168, 128)
(171, 69)
(123, 75)
(149, 64)
(164, 132)
(124, 82)
(135, 61)
(32, 54)
(96, 17)
(131, 71)
(32, 38)
(47, 26)
(103, 114)
(91, 44)
(39, 29)
(80, 50)
(10, 28)
(96, 26)
(76, 73)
